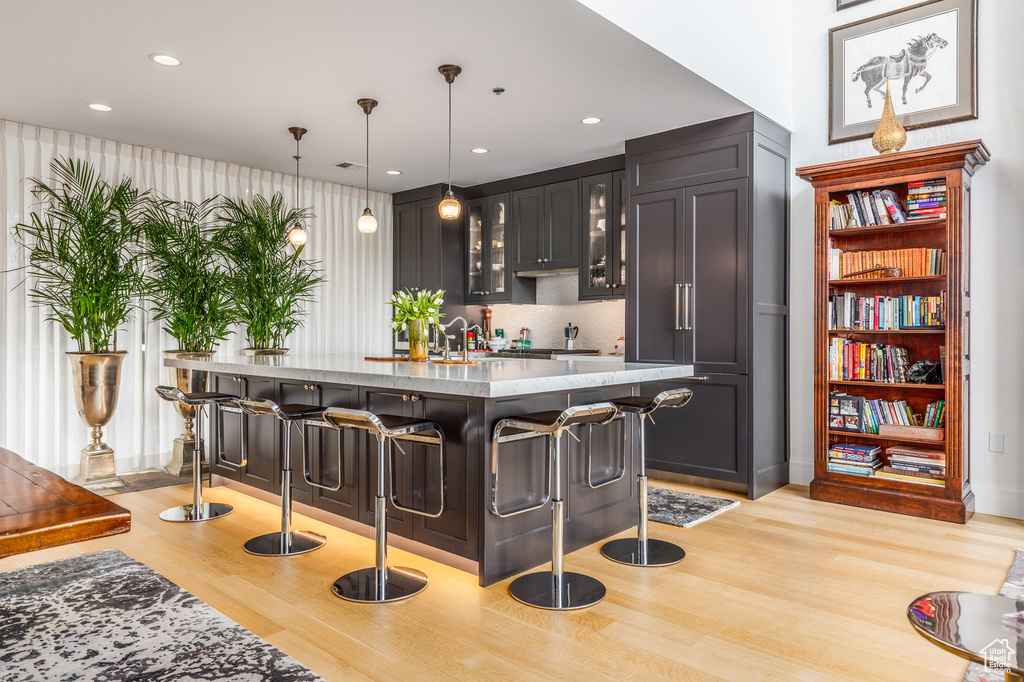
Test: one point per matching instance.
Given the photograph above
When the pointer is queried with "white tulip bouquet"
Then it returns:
(423, 305)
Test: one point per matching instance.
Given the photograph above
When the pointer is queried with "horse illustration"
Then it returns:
(910, 63)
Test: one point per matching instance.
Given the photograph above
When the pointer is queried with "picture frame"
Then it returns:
(843, 4)
(928, 52)
(846, 413)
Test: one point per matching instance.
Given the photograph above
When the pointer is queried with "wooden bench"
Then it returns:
(39, 509)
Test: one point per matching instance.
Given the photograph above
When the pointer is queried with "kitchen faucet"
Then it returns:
(444, 330)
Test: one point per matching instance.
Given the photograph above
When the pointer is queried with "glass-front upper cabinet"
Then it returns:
(602, 271)
(487, 279)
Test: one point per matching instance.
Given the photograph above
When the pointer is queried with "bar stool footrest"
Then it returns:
(186, 513)
(577, 591)
(362, 586)
(632, 551)
(275, 544)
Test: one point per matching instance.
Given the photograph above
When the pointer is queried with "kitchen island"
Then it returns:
(466, 400)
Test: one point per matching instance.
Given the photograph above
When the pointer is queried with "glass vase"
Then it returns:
(419, 331)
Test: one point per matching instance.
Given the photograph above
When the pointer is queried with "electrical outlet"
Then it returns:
(995, 442)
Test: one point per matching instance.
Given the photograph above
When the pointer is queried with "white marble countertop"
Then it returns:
(490, 378)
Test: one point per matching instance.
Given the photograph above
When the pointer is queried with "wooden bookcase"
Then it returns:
(955, 163)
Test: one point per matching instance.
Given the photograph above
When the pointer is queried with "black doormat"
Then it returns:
(105, 616)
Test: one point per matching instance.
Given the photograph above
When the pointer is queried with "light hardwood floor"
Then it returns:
(783, 588)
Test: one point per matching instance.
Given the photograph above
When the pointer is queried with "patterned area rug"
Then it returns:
(684, 509)
(105, 616)
(1013, 588)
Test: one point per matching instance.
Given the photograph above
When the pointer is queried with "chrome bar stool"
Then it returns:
(286, 542)
(642, 551)
(198, 510)
(556, 589)
(382, 583)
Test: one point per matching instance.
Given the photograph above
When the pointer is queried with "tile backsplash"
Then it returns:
(601, 323)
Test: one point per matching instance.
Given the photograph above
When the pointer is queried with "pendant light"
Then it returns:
(297, 234)
(367, 224)
(449, 207)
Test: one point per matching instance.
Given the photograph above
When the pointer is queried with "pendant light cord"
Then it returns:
(297, 157)
(367, 160)
(449, 137)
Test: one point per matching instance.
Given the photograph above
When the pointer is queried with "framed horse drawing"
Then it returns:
(926, 53)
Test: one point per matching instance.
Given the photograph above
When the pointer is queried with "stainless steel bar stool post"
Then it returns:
(198, 510)
(382, 583)
(557, 589)
(286, 542)
(642, 551)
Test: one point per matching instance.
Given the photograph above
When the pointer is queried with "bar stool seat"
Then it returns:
(642, 551)
(198, 510)
(286, 542)
(382, 583)
(556, 590)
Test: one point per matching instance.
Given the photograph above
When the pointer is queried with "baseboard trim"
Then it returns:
(699, 481)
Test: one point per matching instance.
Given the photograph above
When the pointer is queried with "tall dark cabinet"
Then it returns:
(707, 248)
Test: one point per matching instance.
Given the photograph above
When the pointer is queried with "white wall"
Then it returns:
(744, 47)
(997, 253)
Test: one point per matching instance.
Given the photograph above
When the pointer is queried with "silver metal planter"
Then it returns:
(188, 381)
(97, 377)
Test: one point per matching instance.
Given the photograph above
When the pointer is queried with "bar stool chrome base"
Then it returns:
(541, 590)
(187, 513)
(278, 544)
(634, 552)
(363, 585)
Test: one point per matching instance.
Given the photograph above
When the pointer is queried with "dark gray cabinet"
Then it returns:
(707, 257)
(546, 226)
(263, 469)
(602, 269)
(489, 243)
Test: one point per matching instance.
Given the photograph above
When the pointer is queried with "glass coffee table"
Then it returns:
(969, 625)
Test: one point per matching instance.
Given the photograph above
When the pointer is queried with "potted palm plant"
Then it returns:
(85, 265)
(266, 279)
(186, 287)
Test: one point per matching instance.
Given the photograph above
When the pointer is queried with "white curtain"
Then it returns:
(38, 419)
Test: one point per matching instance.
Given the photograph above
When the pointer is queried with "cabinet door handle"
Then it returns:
(414, 397)
(545, 260)
(538, 260)
(687, 325)
(679, 327)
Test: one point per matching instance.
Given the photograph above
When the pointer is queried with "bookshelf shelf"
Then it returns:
(937, 444)
(885, 384)
(952, 165)
(888, 229)
(885, 280)
(885, 332)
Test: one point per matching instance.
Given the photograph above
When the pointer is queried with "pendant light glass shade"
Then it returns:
(449, 208)
(297, 234)
(367, 224)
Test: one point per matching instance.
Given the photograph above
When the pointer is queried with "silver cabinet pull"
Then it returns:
(538, 260)
(679, 327)
(687, 325)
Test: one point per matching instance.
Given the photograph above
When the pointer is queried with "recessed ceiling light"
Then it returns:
(590, 120)
(479, 150)
(99, 107)
(394, 172)
(165, 59)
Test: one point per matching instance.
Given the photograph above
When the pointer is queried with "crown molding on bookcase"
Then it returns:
(968, 155)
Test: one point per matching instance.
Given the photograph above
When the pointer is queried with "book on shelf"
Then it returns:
(855, 452)
(913, 262)
(858, 361)
(852, 470)
(850, 311)
(926, 200)
(914, 479)
(868, 208)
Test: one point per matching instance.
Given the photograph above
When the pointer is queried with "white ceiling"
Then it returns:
(252, 68)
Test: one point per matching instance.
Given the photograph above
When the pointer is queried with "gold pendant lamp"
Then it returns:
(367, 224)
(449, 208)
(297, 234)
